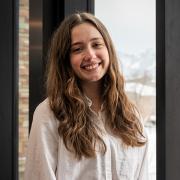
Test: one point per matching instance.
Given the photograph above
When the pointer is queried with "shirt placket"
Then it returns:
(108, 170)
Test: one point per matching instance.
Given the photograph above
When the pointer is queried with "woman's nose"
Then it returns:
(89, 54)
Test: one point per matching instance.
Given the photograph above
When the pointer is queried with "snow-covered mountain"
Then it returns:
(136, 66)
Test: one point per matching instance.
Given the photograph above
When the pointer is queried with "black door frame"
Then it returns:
(9, 89)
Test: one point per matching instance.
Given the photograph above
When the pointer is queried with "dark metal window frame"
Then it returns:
(168, 89)
(160, 89)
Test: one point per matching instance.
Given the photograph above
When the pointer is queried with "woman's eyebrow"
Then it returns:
(96, 38)
(81, 42)
(76, 43)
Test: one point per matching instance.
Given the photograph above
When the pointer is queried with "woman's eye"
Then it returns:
(76, 50)
(98, 45)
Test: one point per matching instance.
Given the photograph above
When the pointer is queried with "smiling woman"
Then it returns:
(89, 56)
(86, 128)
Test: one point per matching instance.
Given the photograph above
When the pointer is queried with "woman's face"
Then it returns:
(89, 56)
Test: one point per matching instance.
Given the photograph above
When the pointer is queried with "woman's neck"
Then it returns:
(93, 91)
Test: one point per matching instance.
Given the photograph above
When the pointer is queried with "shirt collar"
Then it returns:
(89, 102)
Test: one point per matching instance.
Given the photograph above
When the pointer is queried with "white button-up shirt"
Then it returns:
(48, 158)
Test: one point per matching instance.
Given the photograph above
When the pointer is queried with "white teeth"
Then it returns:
(90, 67)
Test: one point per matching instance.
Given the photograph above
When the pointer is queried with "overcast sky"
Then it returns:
(131, 23)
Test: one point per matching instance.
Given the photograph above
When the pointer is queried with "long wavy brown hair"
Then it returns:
(79, 133)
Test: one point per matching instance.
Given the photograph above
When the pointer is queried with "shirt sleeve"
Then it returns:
(42, 152)
(143, 175)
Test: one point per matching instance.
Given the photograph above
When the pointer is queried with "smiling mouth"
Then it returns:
(90, 67)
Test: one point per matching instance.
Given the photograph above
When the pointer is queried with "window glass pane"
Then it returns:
(23, 82)
(132, 28)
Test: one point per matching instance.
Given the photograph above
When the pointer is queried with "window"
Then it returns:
(132, 28)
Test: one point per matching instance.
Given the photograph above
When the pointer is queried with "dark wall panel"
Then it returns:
(9, 90)
(79, 5)
(168, 89)
(172, 89)
(35, 55)
(45, 16)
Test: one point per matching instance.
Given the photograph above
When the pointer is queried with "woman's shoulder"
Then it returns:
(43, 112)
(44, 109)
(43, 106)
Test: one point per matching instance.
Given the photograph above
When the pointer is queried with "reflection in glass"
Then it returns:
(132, 28)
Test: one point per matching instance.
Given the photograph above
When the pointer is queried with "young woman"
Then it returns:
(86, 129)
